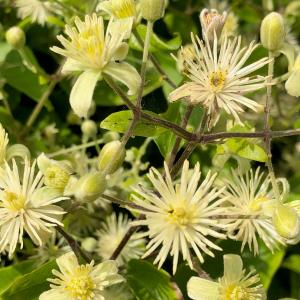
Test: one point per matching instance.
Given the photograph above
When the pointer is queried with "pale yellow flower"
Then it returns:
(180, 217)
(220, 79)
(234, 285)
(37, 10)
(249, 196)
(110, 236)
(95, 52)
(26, 206)
(81, 282)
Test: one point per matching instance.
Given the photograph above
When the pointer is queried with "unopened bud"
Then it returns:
(89, 244)
(110, 136)
(111, 157)
(152, 10)
(212, 23)
(292, 84)
(90, 186)
(272, 32)
(89, 128)
(286, 221)
(15, 36)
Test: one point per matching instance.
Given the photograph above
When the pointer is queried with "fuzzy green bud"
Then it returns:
(90, 186)
(152, 10)
(89, 244)
(56, 177)
(111, 157)
(111, 136)
(89, 128)
(15, 37)
(286, 221)
(272, 32)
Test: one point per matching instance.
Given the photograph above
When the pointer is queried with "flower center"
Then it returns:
(217, 80)
(81, 285)
(256, 203)
(234, 292)
(13, 201)
(123, 9)
(180, 216)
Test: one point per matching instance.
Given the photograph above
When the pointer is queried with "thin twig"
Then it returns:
(267, 134)
(176, 147)
(155, 62)
(55, 79)
(73, 244)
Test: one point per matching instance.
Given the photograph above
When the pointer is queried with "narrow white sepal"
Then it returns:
(126, 74)
(82, 92)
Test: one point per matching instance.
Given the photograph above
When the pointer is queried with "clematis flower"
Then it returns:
(234, 284)
(93, 52)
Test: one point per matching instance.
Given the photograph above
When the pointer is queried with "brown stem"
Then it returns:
(73, 244)
(176, 147)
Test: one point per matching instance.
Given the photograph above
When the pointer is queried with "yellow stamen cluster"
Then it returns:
(13, 202)
(123, 9)
(217, 80)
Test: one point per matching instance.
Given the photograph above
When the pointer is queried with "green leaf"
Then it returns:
(21, 78)
(4, 50)
(292, 263)
(245, 148)
(9, 274)
(156, 43)
(149, 283)
(120, 122)
(166, 141)
(31, 285)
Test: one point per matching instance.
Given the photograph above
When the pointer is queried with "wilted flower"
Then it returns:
(212, 23)
(234, 284)
(95, 53)
(219, 81)
(110, 236)
(81, 282)
(3, 144)
(26, 206)
(37, 10)
(248, 195)
(181, 216)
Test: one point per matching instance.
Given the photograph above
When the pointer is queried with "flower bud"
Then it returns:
(286, 221)
(272, 32)
(152, 10)
(110, 136)
(111, 157)
(15, 37)
(212, 23)
(90, 186)
(292, 84)
(89, 244)
(89, 128)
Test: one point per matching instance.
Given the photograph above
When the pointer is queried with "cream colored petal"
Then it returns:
(67, 263)
(126, 74)
(105, 6)
(54, 294)
(82, 92)
(71, 66)
(44, 195)
(233, 267)
(121, 27)
(292, 85)
(202, 289)
(121, 53)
